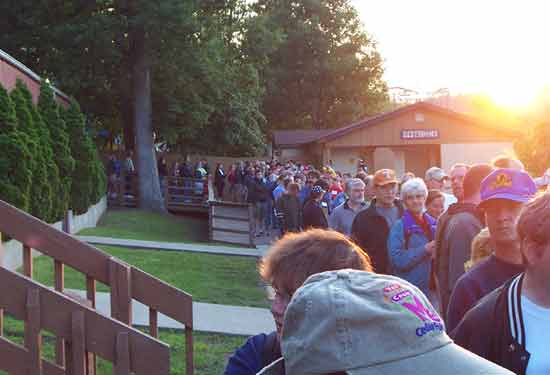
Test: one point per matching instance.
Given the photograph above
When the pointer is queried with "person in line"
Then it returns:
(481, 249)
(290, 207)
(507, 162)
(285, 267)
(280, 187)
(435, 179)
(360, 323)
(342, 216)
(458, 171)
(435, 204)
(371, 227)
(503, 194)
(455, 231)
(410, 243)
(510, 326)
(258, 194)
(219, 180)
(313, 215)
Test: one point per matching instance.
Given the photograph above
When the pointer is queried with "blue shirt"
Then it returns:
(278, 191)
(247, 360)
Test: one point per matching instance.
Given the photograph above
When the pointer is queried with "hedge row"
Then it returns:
(48, 162)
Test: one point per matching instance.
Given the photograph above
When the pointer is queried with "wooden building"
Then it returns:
(411, 138)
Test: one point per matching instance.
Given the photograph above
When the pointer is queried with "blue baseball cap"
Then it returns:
(509, 184)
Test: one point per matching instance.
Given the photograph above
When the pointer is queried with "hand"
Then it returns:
(430, 248)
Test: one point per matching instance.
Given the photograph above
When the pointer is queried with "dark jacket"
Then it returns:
(370, 231)
(258, 191)
(291, 208)
(455, 232)
(494, 328)
(258, 352)
(219, 177)
(313, 215)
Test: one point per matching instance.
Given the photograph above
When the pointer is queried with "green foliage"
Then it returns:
(15, 159)
(49, 110)
(533, 149)
(83, 152)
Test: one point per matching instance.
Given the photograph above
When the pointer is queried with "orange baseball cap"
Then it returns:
(384, 177)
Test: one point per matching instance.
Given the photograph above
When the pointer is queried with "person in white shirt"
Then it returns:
(435, 179)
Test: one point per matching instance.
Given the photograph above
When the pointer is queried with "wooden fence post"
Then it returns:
(33, 338)
(78, 347)
(121, 292)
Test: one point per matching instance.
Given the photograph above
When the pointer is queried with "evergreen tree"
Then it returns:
(49, 110)
(15, 158)
(83, 153)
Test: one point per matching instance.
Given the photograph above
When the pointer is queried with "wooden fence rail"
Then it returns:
(125, 281)
(83, 330)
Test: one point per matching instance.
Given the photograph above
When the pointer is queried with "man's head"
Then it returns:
(507, 162)
(472, 182)
(360, 323)
(458, 172)
(385, 187)
(435, 178)
(534, 233)
(295, 257)
(355, 189)
(503, 194)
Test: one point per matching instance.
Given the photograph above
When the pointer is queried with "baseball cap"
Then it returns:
(509, 184)
(435, 173)
(363, 323)
(384, 177)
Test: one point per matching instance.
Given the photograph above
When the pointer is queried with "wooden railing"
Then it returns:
(124, 192)
(126, 282)
(187, 194)
(82, 329)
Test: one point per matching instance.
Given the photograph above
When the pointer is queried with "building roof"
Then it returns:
(289, 138)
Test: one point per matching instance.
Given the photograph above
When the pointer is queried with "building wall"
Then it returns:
(451, 130)
(11, 70)
(473, 153)
(346, 160)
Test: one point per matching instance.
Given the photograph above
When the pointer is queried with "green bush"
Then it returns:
(15, 157)
(49, 110)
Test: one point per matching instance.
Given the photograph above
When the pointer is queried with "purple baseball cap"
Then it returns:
(510, 184)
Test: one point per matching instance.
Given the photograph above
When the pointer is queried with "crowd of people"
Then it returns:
(449, 273)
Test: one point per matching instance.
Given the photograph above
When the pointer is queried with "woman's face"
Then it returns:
(435, 208)
(415, 202)
(280, 302)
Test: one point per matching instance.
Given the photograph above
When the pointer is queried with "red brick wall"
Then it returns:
(9, 73)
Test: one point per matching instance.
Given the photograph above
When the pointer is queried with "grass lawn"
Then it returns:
(211, 350)
(221, 279)
(149, 226)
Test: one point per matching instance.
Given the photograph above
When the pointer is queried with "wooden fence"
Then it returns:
(187, 194)
(125, 281)
(232, 223)
(83, 330)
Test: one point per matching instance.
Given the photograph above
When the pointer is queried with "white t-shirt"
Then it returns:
(536, 320)
(449, 199)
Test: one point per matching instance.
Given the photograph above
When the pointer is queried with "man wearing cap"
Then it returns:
(435, 179)
(503, 194)
(313, 215)
(361, 323)
(510, 326)
(371, 227)
(455, 232)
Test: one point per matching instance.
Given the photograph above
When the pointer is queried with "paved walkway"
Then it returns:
(207, 317)
(173, 246)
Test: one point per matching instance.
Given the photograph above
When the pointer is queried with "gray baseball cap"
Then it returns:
(363, 323)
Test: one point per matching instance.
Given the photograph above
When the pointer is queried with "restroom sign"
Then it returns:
(419, 134)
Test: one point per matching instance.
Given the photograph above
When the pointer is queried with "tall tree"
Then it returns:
(15, 159)
(327, 72)
(49, 111)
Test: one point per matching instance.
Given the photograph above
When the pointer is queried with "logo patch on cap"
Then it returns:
(412, 304)
(502, 181)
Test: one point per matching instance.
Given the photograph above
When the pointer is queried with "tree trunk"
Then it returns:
(150, 197)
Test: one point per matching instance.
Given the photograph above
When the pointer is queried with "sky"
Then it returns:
(499, 48)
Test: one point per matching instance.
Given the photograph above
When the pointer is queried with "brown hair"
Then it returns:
(473, 178)
(433, 195)
(534, 221)
(293, 187)
(297, 256)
